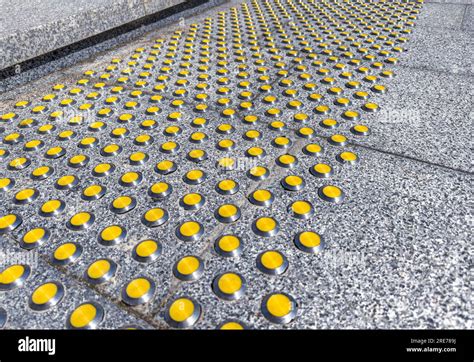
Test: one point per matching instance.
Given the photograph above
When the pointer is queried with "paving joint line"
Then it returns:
(437, 71)
(395, 154)
(464, 16)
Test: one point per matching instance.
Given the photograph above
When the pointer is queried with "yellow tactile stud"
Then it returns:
(138, 291)
(35, 238)
(13, 138)
(119, 132)
(183, 312)
(287, 161)
(160, 190)
(27, 123)
(195, 177)
(146, 139)
(93, 192)
(155, 217)
(258, 173)
(293, 183)
(338, 140)
(81, 220)
(66, 135)
(252, 135)
(228, 246)
(6, 184)
(371, 107)
(360, 130)
(78, 161)
(55, 152)
(130, 179)
(281, 142)
(301, 209)
(309, 241)
(125, 117)
(66, 253)
(225, 145)
(22, 104)
(192, 201)
(347, 157)
(322, 109)
(342, 102)
(172, 131)
(123, 204)
(147, 250)
(312, 149)
(227, 187)
(165, 167)
(112, 235)
(46, 129)
(272, 262)
(103, 169)
(138, 158)
(227, 213)
(321, 170)
(26, 196)
(265, 226)
(329, 123)
(279, 308)
(111, 150)
(305, 132)
(4, 153)
(331, 193)
(46, 295)
(229, 286)
(88, 315)
(14, 276)
(148, 124)
(232, 325)
(351, 115)
(256, 152)
(189, 231)
(100, 271)
(52, 208)
(19, 163)
(261, 197)
(188, 268)
(198, 137)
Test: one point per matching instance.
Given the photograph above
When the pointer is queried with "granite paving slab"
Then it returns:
(442, 15)
(396, 255)
(29, 29)
(442, 50)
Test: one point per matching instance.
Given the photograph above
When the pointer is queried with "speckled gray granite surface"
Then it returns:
(20, 316)
(397, 252)
(456, 2)
(65, 66)
(446, 16)
(468, 21)
(398, 248)
(32, 28)
(442, 50)
(429, 114)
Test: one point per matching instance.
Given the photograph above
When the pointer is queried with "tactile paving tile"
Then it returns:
(189, 153)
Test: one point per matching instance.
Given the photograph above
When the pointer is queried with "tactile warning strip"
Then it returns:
(178, 181)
